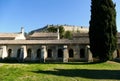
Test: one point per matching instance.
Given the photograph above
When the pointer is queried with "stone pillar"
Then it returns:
(89, 54)
(114, 54)
(76, 52)
(58, 34)
(1, 52)
(24, 52)
(55, 52)
(22, 30)
(65, 54)
(4, 52)
(43, 53)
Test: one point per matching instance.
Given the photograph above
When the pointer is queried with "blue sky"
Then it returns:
(34, 14)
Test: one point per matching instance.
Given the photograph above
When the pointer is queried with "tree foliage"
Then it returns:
(54, 29)
(61, 30)
(102, 31)
(68, 35)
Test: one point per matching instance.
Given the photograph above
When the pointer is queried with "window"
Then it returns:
(49, 51)
(29, 53)
(82, 53)
(70, 53)
(9, 52)
(38, 53)
(60, 53)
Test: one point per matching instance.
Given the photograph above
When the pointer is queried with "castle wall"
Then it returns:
(76, 28)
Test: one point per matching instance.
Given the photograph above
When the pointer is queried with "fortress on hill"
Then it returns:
(43, 46)
(72, 28)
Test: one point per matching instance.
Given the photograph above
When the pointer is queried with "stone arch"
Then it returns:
(29, 52)
(18, 53)
(49, 53)
(60, 53)
(9, 52)
(38, 53)
(71, 53)
(82, 53)
(118, 53)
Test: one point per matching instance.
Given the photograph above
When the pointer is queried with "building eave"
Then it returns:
(16, 42)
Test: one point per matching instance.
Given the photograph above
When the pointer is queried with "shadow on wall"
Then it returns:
(86, 73)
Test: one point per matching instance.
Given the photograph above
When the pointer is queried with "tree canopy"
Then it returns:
(102, 30)
(68, 35)
(54, 29)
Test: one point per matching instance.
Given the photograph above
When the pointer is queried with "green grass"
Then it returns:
(108, 71)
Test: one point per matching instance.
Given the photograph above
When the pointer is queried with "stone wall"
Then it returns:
(50, 53)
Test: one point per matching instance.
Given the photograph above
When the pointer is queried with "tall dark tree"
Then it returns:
(102, 31)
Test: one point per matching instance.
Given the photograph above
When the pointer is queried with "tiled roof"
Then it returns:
(87, 35)
(83, 39)
(43, 42)
(43, 34)
(80, 35)
(62, 41)
(8, 35)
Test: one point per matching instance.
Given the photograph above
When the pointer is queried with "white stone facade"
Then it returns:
(33, 48)
(47, 52)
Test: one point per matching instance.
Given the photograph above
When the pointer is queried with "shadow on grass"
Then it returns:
(34, 62)
(86, 73)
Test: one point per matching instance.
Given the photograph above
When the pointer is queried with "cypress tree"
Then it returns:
(102, 30)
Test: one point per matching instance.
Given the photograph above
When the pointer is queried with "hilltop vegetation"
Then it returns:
(53, 28)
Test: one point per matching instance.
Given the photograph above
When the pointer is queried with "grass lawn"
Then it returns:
(108, 71)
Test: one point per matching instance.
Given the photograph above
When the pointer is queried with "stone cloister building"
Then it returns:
(46, 47)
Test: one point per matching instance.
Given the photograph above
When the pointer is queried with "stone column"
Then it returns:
(89, 54)
(43, 53)
(114, 55)
(55, 52)
(1, 52)
(65, 54)
(24, 52)
(4, 52)
(76, 52)
(58, 34)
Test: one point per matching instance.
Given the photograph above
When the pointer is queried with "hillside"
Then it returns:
(72, 28)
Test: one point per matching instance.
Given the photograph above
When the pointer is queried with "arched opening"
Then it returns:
(60, 53)
(82, 53)
(29, 51)
(118, 53)
(70, 53)
(9, 52)
(18, 53)
(38, 53)
(1, 52)
(49, 53)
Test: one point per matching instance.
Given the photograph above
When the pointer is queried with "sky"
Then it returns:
(34, 14)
